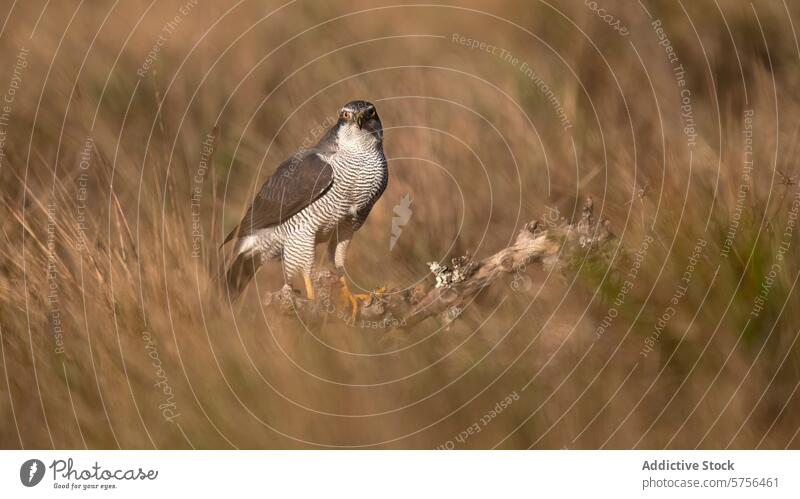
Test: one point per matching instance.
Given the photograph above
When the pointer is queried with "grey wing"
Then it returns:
(298, 182)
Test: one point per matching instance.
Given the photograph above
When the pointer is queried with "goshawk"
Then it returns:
(321, 194)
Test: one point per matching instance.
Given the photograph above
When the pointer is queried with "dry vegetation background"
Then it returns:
(112, 334)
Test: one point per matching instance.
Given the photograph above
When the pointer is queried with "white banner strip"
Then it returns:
(401, 474)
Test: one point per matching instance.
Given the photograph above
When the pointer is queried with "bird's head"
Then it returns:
(359, 124)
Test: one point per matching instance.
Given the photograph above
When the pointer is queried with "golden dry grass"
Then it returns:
(101, 251)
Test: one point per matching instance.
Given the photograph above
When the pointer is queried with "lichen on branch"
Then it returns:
(555, 247)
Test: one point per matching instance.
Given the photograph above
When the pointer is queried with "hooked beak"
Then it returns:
(361, 118)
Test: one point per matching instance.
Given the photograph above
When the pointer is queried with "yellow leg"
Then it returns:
(353, 299)
(309, 286)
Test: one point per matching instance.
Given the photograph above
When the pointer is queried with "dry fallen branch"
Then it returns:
(559, 246)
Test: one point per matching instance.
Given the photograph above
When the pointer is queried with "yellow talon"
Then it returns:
(368, 296)
(354, 298)
(350, 297)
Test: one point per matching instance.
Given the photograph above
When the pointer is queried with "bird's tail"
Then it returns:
(240, 272)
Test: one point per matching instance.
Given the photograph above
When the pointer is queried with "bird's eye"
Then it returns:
(346, 115)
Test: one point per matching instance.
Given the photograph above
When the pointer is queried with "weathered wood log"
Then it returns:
(554, 245)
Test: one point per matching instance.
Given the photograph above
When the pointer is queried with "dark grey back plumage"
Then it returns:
(298, 182)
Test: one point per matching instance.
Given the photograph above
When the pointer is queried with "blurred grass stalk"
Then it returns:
(141, 142)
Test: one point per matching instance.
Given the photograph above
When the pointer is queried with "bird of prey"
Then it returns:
(321, 194)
